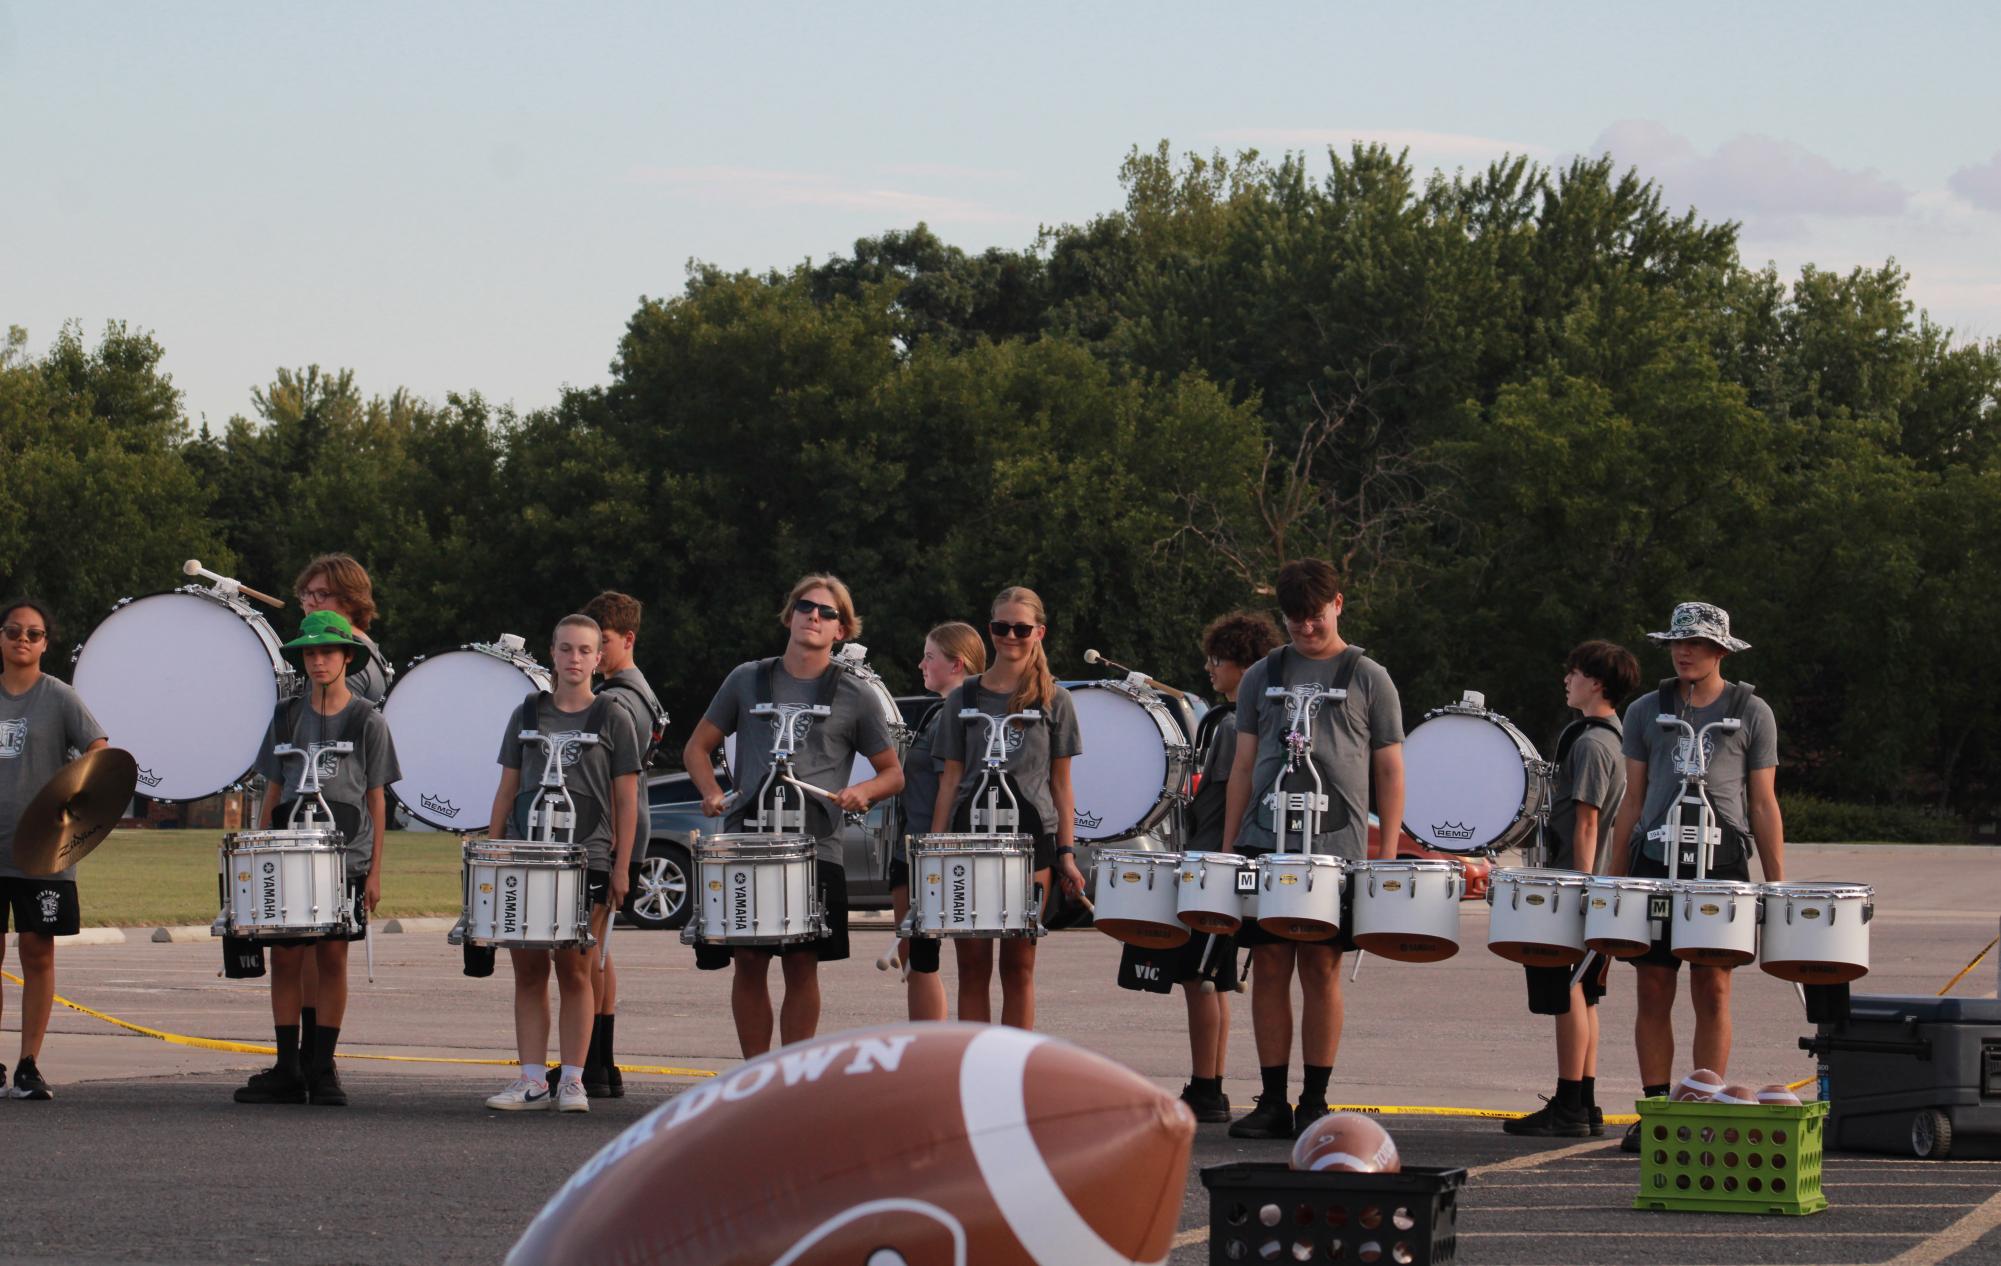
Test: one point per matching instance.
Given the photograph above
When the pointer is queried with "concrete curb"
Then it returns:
(433, 923)
(96, 936)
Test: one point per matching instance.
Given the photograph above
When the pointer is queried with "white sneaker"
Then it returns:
(570, 1097)
(523, 1095)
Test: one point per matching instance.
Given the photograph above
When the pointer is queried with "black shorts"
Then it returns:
(40, 907)
(597, 887)
(831, 948)
(355, 903)
(1201, 957)
(1662, 953)
(1250, 935)
(1549, 987)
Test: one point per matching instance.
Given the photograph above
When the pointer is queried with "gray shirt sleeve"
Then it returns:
(1595, 773)
(624, 741)
(80, 728)
(1066, 737)
(1385, 706)
(872, 735)
(726, 710)
(1761, 745)
(951, 744)
(380, 767)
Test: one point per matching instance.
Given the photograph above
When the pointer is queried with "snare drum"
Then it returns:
(288, 883)
(1299, 895)
(1538, 916)
(1407, 910)
(1817, 934)
(449, 780)
(1135, 763)
(1472, 781)
(757, 890)
(1618, 919)
(1212, 891)
(520, 894)
(1136, 898)
(1715, 922)
(964, 885)
(198, 729)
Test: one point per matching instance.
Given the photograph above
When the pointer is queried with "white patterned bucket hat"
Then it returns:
(1701, 620)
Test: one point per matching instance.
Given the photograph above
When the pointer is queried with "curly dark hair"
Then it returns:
(1241, 638)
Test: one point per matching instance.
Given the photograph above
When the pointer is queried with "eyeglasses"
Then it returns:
(1001, 628)
(23, 633)
(315, 595)
(806, 606)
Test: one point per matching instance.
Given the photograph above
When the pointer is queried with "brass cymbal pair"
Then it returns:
(75, 811)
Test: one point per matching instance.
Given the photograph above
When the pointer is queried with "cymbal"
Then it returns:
(73, 813)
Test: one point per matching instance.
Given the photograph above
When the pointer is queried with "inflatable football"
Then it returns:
(905, 1145)
(1779, 1093)
(1346, 1141)
(1734, 1094)
(1698, 1086)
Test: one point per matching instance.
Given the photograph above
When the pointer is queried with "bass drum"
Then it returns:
(197, 727)
(1135, 764)
(448, 714)
(1472, 781)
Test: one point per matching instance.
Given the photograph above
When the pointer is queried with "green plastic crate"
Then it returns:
(1730, 1158)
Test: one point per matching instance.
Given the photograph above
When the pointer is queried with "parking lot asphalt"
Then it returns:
(144, 1157)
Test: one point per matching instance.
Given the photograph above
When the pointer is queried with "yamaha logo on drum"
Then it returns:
(1452, 831)
(268, 898)
(510, 906)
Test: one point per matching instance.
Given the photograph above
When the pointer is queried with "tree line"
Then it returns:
(1519, 407)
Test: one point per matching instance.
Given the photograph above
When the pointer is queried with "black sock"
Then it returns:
(1588, 1089)
(605, 1057)
(1209, 1085)
(309, 1023)
(1274, 1079)
(1655, 1092)
(591, 1057)
(288, 1048)
(324, 1041)
(1314, 1089)
(1569, 1095)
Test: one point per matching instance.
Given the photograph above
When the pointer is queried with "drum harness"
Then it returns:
(309, 805)
(1691, 819)
(984, 814)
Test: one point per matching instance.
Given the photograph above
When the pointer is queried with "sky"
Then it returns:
(461, 197)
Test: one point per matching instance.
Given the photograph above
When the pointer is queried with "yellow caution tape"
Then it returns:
(255, 1048)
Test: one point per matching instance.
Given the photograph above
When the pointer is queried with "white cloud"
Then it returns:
(1776, 183)
(1979, 184)
(756, 186)
(1430, 145)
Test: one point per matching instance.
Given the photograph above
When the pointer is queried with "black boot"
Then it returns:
(322, 1082)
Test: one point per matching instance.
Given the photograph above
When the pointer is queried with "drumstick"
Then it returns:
(371, 953)
(193, 567)
(604, 945)
(1356, 970)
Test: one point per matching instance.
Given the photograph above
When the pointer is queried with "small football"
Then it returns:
(1698, 1086)
(922, 1144)
(1779, 1093)
(1735, 1094)
(1346, 1141)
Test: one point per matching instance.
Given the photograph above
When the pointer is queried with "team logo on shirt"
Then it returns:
(326, 761)
(13, 738)
(568, 746)
(802, 725)
(1683, 753)
(51, 902)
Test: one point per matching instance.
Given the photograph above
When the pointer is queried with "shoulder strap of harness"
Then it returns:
(1576, 729)
(1736, 697)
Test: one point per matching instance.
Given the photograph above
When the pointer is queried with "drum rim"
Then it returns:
(1124, 856)
(1817, 889)
(1423, 864)
(1633, 883)
(1202, 857)
(549, 853)
(1539, 875)
(286, 839)
(1537, 784)
(1179, 752)
(1718, 887)
(998, 837)
(1310, 859)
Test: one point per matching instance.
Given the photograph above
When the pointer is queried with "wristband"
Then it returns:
(1065, 850)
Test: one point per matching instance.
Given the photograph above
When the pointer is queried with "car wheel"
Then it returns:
(659, 896)
(1931, 1135)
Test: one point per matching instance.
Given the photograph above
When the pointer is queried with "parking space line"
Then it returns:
(1534, 1160)
(1587, 1208)
(1961, 1234)
(1697, 1235)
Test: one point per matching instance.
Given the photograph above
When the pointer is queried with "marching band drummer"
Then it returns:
(42, 720)
(1038, 765)
(1742, 786)
(352, 784)
(817, 613)
(602, 779)
(618, 615)
(951, 651)
(1356, 741)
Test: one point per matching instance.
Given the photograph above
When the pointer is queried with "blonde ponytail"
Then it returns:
(1038, 685)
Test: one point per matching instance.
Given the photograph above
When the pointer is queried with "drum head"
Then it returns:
(447, 715)
(1122, 774)
(187, 685)
(1465, 784)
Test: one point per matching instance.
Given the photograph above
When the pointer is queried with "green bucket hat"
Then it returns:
(327, 628)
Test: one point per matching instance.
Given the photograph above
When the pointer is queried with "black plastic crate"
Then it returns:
(1262, 1211)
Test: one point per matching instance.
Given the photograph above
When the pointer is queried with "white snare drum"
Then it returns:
(1406, 910)
(1715, 922)
(757, 890)
(1210, 898)
(1472, 781)
(1135, 899)
(1817, 934)
(284, 883)
(966, 885)
(199, 728)
(1617, 918)
(1134, 768)
(520, 894)
(1299, 895)
(446, 714)
(1538, 916)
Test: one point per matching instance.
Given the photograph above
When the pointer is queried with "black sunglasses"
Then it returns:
(806, 606)
(1001, 628)
(23, 633)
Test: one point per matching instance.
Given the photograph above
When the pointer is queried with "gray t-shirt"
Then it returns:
(641, 711)
(1731, 758)
(1030, 747)
(922, 766)
(588, 770)
(345, 778)
(1345, 735)
(824, 748)
(1593, 773)
(40, 731)
(1209, 808)
(371, 683)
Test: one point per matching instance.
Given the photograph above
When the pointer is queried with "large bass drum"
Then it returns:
(186, 681)
(447, 714)
(1135, 764)
(1472, 781)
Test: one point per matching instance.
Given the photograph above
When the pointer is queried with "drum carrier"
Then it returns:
(259, 870)
(1313, 911)
(979, 883)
